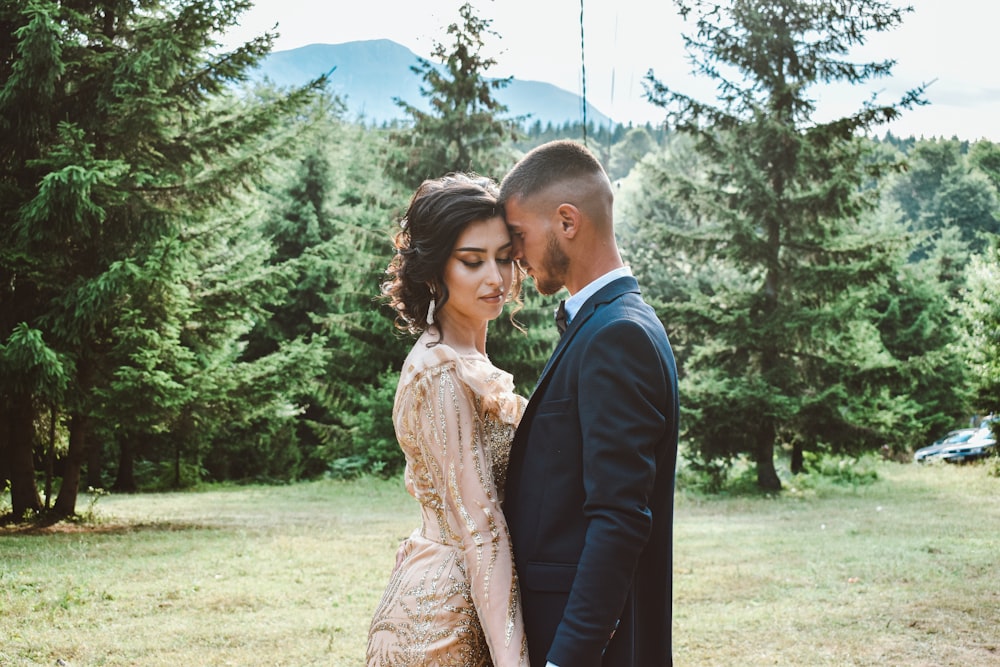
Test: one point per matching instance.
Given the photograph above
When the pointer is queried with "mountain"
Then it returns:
(368, 74)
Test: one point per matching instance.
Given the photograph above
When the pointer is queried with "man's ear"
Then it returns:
(569, 219)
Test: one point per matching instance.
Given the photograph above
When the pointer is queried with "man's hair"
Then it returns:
(545, 165)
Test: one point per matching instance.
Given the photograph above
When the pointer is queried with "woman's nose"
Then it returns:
(496, 275)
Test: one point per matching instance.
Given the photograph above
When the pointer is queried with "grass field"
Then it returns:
(899, 572)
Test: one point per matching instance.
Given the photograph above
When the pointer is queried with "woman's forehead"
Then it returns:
(484, 234)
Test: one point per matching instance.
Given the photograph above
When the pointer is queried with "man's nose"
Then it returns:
(517, 249)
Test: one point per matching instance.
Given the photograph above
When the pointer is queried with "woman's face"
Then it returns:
(478, 273)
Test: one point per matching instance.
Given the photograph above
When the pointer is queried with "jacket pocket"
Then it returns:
(548, 577)
(558, 406)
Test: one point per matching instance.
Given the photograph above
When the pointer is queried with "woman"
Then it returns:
(453, 599)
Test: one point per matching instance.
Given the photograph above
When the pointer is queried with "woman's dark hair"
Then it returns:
(438, 213)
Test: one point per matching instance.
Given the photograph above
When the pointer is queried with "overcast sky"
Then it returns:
(949, 42)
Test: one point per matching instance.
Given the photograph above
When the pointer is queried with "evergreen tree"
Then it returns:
(330, 221)
(783, 345)
(985, 156)
(464, 130)
(919, 323)
(115, 167)
(942, 188)
(629, 151)
(980, 310)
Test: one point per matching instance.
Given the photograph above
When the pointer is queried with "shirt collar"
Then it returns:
(575, 302)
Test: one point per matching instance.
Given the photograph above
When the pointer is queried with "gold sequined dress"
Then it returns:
(453, 601)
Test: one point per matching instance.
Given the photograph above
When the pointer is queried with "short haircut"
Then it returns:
(545, 165)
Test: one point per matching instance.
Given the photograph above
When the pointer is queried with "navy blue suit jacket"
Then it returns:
(589, 493)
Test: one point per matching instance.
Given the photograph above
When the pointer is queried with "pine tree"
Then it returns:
(330, 221)
(464, 129)
(919, 324)
(942, 189)
(118, 156)
(980, 310)
(783, 346)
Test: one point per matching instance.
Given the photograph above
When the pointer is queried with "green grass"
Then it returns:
(900, 572)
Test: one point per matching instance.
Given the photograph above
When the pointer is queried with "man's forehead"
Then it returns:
(513, 212)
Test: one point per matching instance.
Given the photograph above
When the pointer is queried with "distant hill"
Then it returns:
(369, 74)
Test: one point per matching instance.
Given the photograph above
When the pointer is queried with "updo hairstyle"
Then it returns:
(438, 213)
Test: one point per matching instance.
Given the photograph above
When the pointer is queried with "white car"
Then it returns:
(982, 443)
(932, 452)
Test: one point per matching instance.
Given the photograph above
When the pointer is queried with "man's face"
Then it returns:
(536, 245)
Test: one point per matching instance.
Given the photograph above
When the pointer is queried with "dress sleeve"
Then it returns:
(453, 426)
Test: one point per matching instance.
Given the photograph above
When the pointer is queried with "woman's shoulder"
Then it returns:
(474, 370)
(426, 356)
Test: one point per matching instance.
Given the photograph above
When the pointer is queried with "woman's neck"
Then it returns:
(464, 338)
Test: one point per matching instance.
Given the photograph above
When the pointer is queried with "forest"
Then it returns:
(190, 264)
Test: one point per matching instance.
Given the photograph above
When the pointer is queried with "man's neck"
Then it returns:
(590, 272)
(573, 304)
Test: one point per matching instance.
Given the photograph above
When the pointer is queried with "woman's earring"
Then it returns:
(430, 313)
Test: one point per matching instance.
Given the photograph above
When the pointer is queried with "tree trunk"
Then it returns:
(78, 425)
(70, 488)
(24, 496)
(798, 459)
(94, 479)
(177, 464)
(767, 476)
(125, 481)
(4, 447)
(50, 455)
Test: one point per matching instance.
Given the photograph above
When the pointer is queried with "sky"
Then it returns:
(946, 43)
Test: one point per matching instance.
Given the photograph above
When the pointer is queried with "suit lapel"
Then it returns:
(606, 294)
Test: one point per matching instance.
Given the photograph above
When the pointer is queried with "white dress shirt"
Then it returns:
(576, 301)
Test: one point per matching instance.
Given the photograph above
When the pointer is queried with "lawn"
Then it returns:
(899, 572)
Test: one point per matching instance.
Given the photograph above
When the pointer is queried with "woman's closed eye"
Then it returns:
(475, 263)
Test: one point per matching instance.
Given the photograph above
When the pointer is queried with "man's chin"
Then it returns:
(545, 288)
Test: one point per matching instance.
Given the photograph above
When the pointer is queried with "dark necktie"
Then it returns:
(561, 317)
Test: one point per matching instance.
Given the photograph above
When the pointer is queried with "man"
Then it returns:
(589, 493)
